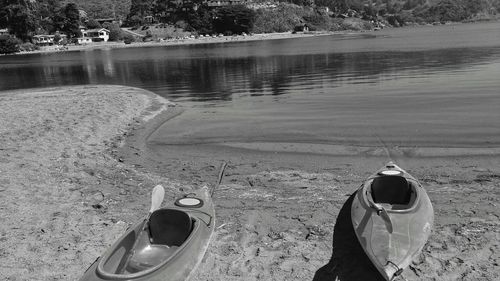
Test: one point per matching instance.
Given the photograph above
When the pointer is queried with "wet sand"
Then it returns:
(77, 168)
(283, 209)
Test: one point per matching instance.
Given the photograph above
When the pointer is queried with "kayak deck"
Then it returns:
(167, 245)
(150, 245)
(392, 217)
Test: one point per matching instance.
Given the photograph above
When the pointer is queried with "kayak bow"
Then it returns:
(392, 217)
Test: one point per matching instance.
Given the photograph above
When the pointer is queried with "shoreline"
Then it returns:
(184, 42)
(77, 169)
(225, 39)
(282, 215)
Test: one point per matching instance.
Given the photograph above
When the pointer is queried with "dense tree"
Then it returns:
(160, 9)
(117, 9)
(331, 4)
(92, 23)
(305, 3)
(476, 6)
(45, 11)
(317, 21)
(18, 16)
(115, 32)
(138, 10)
(448, 10)
(201, 20)
(67, 20)
(25, 18)
(8, 44)
(192, 12)
(411, 4)
(234, 19)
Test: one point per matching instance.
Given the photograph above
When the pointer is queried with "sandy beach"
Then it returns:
(286, 216)
(76, 170)
(62, 195)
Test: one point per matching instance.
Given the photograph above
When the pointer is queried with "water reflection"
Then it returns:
(203, 78)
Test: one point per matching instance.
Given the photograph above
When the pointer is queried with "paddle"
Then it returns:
(156, 199)
(384, 215)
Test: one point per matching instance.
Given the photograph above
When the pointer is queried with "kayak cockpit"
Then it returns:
(394, 193)
(157, 245)
(147, 248)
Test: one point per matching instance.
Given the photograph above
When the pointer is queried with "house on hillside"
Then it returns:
(47, 40)
(4, 31)
(149, 19)
(83, 40)
(220, 3)
(96, 35)
(93, 35)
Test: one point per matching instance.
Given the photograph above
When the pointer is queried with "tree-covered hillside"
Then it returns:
(99, 9)
(405, 10)
(285, 15)
(25, 18)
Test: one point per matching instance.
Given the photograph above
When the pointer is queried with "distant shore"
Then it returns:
(178, 42)
(213, 39)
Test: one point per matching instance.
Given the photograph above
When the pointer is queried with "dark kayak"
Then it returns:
(168, 246)
(392, 218)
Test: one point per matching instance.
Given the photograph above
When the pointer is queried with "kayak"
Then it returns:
(166, 245)
(392, 217)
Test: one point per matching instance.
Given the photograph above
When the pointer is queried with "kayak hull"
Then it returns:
(392, 234)
(174, 263)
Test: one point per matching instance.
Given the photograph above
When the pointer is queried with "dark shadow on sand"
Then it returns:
(348, 262)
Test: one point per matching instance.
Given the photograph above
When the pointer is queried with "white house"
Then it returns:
(46, 40)
(97, 35)
(84, 40)
(4, 31)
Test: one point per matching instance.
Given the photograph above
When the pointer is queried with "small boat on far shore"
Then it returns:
(167, 245)
(392, 217)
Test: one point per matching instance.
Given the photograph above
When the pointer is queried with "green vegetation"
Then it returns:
(19, 17)
(233, 20)
(115, 32)
(287, 15)
(8, 44)
(284, 18)
(100, 9)
(128, 38)
(67, 20)
(25, 18)
(162, 31)
(420, 11)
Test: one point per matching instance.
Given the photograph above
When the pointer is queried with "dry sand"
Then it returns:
(63, 198)
(69, 186)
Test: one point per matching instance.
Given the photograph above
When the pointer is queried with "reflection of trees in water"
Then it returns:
(219, 78)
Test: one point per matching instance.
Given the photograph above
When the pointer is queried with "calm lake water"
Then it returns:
(410, 87)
